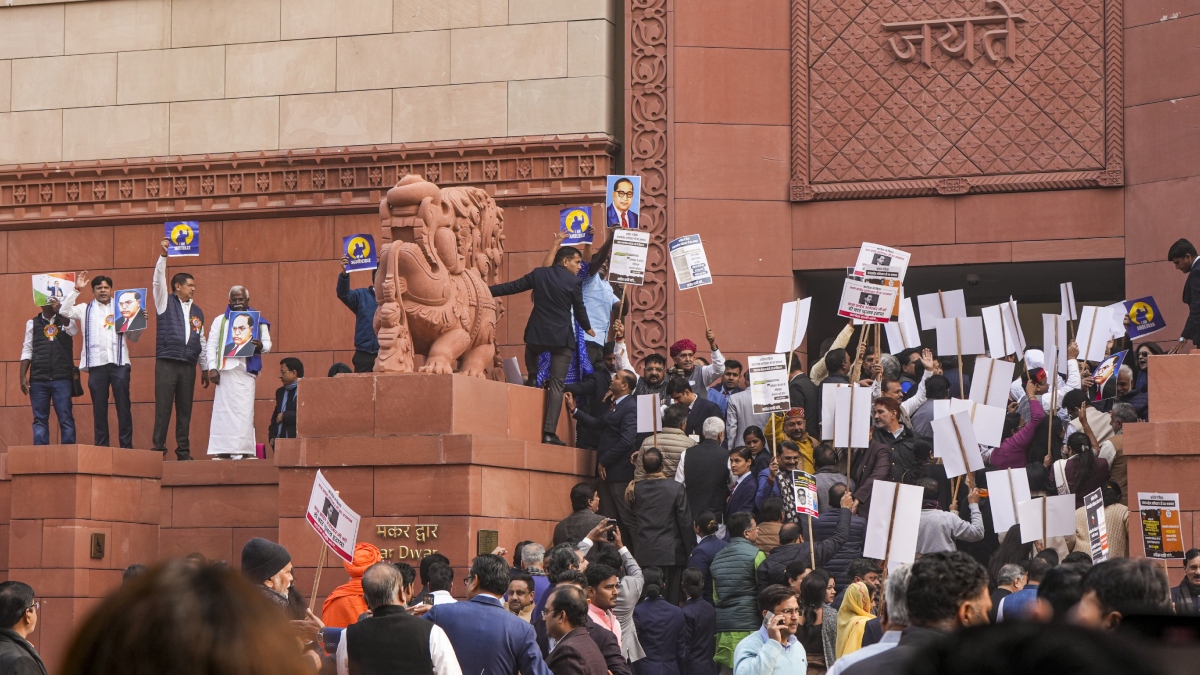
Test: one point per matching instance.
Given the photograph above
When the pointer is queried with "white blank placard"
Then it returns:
(793, 323)
(942, 305)
(1067, 293)
(892, 532)
(649, 414)
(1094, 332)
(1012, 320)
(992, 380)
(1006, 489)
(512, 371)
(954, 441)
(903, 334)
(851, 416)
(1059, 517)
(960, 336)
(986, 420)
(999, 342)
(1054, 336)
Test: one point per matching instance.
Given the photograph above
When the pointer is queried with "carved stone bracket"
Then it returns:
(871, 119)
(514, 171)
(648, 125)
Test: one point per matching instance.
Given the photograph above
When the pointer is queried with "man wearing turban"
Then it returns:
(684, 354)
(345, 604)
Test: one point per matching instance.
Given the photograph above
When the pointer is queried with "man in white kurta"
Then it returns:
(231, 433)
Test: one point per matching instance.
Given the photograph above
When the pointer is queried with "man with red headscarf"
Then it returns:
(684, 354)
(345, 604)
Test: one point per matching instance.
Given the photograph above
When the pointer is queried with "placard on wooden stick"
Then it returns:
(954, 441)
(1046, 517)
(893, 523)
(1094, 332)
(992, 380)
(941, 305)
(905, 333)
(1055, 336)
(1006, 489)
(986, 420)
(846, 415)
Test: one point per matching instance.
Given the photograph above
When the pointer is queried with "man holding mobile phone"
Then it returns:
(773, 649)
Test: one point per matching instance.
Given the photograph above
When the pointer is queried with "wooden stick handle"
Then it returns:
(702, 312)
(312, 599)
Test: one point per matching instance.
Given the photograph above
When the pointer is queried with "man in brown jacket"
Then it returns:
(574, 653)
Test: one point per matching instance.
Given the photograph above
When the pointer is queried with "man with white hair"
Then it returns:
(704, 471)
(893, 619)
(231, 433)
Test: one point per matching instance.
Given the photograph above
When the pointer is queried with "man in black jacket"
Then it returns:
(680, 391)
(1183, 256)
(664, 522)
(705, 471)
(793, 547)
(557, 290)
(391, 636)
(824, 528)
(47, 369)
(617, 443)
(805, 394)
(590, 394)
(19, 616)
(283, 417)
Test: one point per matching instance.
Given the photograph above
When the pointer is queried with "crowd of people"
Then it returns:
(50, 377)
(687, 555)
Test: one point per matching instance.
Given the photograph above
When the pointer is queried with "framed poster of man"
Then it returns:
(240, 332)
(623, 201)
(130, 303)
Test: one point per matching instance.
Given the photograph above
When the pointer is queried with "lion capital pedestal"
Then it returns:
(432, 284)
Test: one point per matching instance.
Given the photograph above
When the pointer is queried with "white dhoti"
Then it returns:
(232, 429)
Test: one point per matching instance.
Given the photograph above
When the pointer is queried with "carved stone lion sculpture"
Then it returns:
(432, 284)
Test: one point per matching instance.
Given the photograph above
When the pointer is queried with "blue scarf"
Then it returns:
(254, 363)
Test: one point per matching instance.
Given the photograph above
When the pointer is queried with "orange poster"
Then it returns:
(1162, 533)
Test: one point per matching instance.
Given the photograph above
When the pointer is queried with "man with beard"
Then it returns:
(653, 379)
(684, 354)
(875, 462)
(776, 480)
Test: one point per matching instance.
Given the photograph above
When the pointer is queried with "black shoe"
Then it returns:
(551, 439)
(185, 456)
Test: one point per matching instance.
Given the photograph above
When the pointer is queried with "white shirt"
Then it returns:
(27, 346)
(441, 652)
(100, 334)
(216, 339)
(442, 598)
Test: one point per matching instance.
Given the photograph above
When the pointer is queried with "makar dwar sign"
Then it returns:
(419, 536)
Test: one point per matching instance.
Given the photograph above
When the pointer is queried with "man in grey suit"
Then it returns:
(740, 416)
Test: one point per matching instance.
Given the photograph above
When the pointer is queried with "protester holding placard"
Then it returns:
(875, 463)
(104, 356)
(1018, 434)
(231, 433)
(1081, 472)
(47, 372)
(179, 347)
(362, 302)
(939, 528)
(776, 480)
(1116, 519)
(683, 352)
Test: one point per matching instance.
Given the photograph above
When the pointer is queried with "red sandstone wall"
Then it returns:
(289, 265)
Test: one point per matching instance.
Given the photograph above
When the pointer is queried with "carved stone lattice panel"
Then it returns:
(912, 97)
(514, 171)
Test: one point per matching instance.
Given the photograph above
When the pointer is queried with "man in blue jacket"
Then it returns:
(362, 302)
(487, 638)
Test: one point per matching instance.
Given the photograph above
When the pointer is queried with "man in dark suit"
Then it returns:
(619, 213)
(664, 523)
(486, 637)
(705, 471)
(283, 417)
(741, 460)
(701, 408)
(617, 443)
(805, 394)
(1183, 256)
(590, 392)
(574, 653)
(557, 290)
